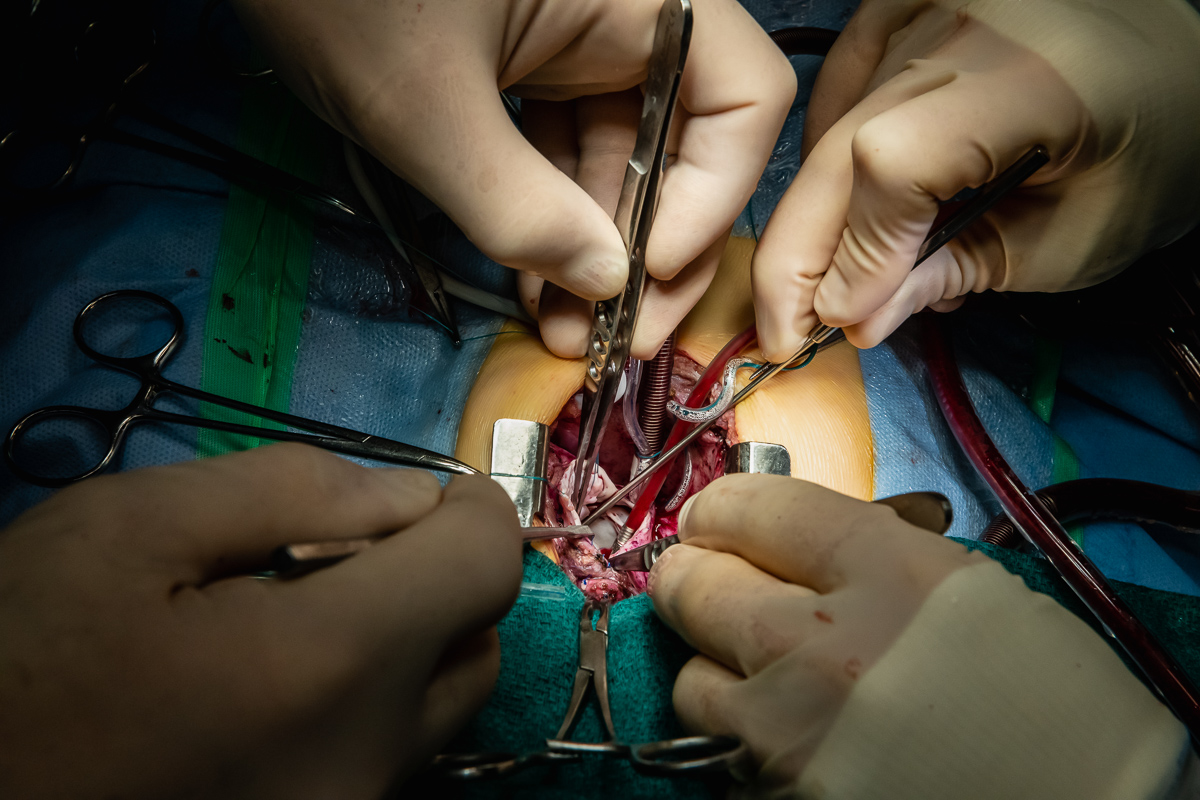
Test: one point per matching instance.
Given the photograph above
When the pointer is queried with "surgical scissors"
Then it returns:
(670, 756)
(614, 319)
(36, 435)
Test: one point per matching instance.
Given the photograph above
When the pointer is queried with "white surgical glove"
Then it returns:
(417, 84)
(919, 100)
(861, 657)
(138, 659)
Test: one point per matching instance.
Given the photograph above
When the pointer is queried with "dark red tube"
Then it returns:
(1035, 522)
(699, 394)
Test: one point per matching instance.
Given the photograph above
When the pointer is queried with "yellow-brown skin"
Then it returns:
(819, 413)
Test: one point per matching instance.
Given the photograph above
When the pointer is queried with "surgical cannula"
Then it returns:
(971, 210)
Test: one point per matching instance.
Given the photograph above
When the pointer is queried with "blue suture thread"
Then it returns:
(526, 477)
(497, 333)
(431, 318)
(442, 325)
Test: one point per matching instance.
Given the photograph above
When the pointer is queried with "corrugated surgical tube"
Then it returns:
(1039, 526)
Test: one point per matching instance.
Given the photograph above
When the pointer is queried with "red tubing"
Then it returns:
(1035, 522)
(699, 394)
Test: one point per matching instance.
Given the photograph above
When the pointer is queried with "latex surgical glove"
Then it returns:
(919, 100)
(417, 84)
(861, 657)
(134, 664)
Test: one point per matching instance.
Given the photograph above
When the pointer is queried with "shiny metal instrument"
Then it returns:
(672, 756)
(292, 560)
(641, 559)
(614, 319)
(974, 208)
(58, 445)
(987, 196)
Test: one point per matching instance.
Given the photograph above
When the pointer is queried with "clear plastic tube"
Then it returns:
(542, 591)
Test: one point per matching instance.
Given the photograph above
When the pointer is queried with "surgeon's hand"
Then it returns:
(134, 663)
(417, 84)
(919, 100)
(860, 656)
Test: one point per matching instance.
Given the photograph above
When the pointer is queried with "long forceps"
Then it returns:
(987, 196)
(614, 319)
(670, 756)
(58, 445)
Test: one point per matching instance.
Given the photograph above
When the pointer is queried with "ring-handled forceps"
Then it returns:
(670, 756)
(614, 319)
(593, 657)
(58, 445)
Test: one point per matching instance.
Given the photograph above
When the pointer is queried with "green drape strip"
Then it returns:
(261, 277)
(1047, 362)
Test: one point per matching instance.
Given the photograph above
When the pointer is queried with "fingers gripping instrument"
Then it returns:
(58, 445)
(990, 194)
(987, 197)
(614, 319)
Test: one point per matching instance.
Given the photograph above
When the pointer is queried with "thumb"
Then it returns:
(513, 204)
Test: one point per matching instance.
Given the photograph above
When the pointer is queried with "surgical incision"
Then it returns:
(584, 560)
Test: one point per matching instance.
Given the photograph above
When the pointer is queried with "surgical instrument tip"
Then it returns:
(293, 560)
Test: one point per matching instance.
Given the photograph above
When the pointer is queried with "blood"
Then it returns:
(584, 562)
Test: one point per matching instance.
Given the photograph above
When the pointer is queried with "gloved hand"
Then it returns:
(417, 84)
(133, 665)
(919, 100)
(861, 657)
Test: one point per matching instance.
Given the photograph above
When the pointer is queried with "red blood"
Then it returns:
(583, 562)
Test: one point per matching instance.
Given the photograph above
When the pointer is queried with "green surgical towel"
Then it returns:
(539, 655)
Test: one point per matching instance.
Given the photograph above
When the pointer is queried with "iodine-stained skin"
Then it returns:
(819, 413)
(581, 559)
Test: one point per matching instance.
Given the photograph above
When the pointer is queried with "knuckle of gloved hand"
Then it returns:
(820, 670)
(568, 240)
(488, 535)
(701, 702)
(882, 153)
(911, 560)
(739, 492)
(663, 581)
(294, 467)
(672, 584)
(777, 84)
